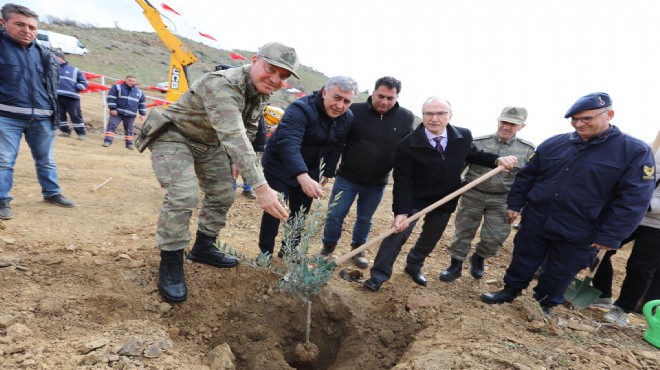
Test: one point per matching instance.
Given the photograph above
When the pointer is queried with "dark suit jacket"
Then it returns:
(423, 176)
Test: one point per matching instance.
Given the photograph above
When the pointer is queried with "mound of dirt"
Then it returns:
(79, 291)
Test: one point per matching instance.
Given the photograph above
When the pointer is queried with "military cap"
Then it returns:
(280, 55)
(588, 102)
(516, 115)
(60, 55)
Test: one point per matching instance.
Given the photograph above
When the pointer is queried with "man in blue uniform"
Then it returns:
(581, 192)
(72, 82)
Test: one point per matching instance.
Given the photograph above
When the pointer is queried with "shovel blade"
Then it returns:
(581, 294)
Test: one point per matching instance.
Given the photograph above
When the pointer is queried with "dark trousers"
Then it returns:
(642, 270)
(269, 224)
(72, 107)
(564, 261)
(434, 225)
(113, 123)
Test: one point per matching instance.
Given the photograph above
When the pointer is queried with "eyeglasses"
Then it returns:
(586, 119)
(431, 114)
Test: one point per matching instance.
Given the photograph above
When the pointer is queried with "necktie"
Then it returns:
(438, 146)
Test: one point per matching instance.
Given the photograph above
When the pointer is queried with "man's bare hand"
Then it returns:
(600, 246)
(312, 188)
(400, 223)
(508, 162)
(113, 113)
(234, 171)
(512, 215)
(269, 202)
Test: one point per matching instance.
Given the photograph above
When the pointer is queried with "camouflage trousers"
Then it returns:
(473, 208)
(182, 169)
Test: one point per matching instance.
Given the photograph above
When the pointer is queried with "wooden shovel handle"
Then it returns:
(421, 213)
(594, 266)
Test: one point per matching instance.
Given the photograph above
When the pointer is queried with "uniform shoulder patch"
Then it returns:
(484, 137)
(526, 142)
(648, 171)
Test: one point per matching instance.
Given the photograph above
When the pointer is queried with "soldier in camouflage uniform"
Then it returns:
(206, 144)
(487, 200)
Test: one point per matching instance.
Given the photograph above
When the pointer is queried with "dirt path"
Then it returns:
(79, 291)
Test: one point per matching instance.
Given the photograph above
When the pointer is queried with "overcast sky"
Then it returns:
(481, 55)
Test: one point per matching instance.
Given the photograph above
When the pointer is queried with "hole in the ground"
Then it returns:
(264, 335)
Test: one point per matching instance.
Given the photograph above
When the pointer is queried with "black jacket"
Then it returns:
(368, 156)
(304, 137)
(423, 176)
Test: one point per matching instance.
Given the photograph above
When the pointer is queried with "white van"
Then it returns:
(61, 42)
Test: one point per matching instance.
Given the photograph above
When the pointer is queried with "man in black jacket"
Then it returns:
(427, 166)
(378, 126)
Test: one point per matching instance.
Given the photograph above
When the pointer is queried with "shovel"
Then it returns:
(331, 265)
(580, 293)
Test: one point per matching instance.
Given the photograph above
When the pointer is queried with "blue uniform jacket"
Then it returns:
(28, 81)
(305, 136)
(72, 81)
(126, 101)
(585, 192)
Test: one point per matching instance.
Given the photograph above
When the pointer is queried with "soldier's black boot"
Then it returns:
(452, 272)
(171, 282)
(327, 250)
(205, 251)
(477, 266)
(506, 295)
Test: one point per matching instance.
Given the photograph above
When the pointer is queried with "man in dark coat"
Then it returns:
(378, 126)
(313, 129)
(427, 166)
(581, 192)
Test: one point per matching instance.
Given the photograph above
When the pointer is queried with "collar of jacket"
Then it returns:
(505, 142)
(5, 36)
(318, 101)
(371, 108)
(612, 130)
(419, 139)
(243, 72)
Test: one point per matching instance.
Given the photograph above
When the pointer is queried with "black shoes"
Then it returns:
(506, 295)
(327, 250)
(205, 251)
(547, 311)
(417, 276)
(373, 284)
(250, 194)
(452, 272)
(476, 266)
(171, 281)
(59, 200)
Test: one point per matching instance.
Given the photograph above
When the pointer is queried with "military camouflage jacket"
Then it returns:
(222, 108)
(500, 183)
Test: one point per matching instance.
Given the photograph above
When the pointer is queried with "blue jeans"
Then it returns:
(40, 137)
(369, 196)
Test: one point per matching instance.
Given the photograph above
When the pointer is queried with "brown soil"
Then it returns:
(79, 291)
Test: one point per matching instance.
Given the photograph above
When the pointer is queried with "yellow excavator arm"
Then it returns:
(181, 57)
